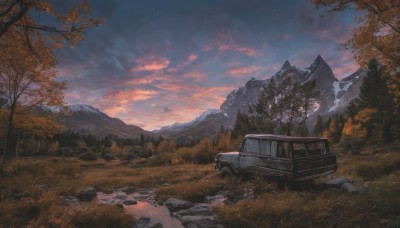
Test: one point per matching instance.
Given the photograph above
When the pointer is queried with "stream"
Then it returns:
(152, 214)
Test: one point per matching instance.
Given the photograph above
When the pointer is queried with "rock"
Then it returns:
(144, 222)
(366, 184)
(71, 200)
(196, 210)
(127, 190)
(337, 182)
(349, 187)
(121, 197)
(198, 221)
(130, 202)
(174, 204)
(87, 194)
(108, 191)
(119, 206)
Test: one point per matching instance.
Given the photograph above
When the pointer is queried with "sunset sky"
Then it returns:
(157, 62)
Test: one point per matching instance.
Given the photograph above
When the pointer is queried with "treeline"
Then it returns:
(372, 118)
(145, 150)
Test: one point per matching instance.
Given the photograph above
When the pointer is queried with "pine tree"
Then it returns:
(318, 126)
(374, 94)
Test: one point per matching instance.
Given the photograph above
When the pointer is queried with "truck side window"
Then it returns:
(265, 147)
(251, 146)
(274, 145)
(283, 150)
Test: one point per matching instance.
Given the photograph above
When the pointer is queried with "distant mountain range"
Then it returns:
(85, 119)
(335, 97)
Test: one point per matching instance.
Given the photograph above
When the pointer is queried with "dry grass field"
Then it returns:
(31, 190)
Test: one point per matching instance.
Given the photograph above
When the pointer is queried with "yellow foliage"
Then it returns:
(365, 115)
(166, 146)
(377, 36)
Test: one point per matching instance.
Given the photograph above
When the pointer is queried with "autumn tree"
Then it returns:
(27, 80)
(374, 95)
(378, 35)
(286, 104)
(25, 16)
(334, 128)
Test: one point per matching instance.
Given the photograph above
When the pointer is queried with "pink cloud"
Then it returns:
(151, 63)
(191, 58)
(196, 76)
(244, 71)
(344, 65)
(225, 43)
(126, 97)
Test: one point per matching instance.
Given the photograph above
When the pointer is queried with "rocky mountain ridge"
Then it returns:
(335, 97)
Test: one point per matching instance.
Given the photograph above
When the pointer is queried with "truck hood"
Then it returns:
(228, 157)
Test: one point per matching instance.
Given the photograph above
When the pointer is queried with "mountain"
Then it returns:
(335, 97)
(86, 119)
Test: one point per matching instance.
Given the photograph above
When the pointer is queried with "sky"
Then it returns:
(156, 62)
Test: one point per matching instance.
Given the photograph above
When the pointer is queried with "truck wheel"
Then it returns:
(225, 172)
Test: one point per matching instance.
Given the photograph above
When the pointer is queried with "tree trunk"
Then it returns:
(7, 152)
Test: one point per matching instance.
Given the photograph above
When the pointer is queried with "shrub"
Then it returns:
(88, 156)
(101, 216)
(372, 171)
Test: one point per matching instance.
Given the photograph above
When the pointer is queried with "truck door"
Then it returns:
(249, 155)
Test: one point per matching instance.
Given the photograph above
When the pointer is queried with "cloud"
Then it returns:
(151, 63)
(191, 58)
(243, 71)
(129, 96)
(226, 43)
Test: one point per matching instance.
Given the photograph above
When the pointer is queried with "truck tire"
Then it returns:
(225, 172)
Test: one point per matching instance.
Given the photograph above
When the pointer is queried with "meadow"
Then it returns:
(31, 191)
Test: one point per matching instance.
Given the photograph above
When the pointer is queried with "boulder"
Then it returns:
(198, 221)
(130, 201)
(338, 181)
(174, 204)
(349, 187)
(71, 200)
(127, 190)
(144, 222)
(87, 194)
(196, 210)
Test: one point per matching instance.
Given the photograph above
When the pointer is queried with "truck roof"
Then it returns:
(285, 138)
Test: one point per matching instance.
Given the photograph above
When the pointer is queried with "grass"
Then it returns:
(378, 205)
(43, 181)
(193, 191)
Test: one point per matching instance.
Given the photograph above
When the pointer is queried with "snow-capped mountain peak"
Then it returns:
(180, 126)
(71, 108)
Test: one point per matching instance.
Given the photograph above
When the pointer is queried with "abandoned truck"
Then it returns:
(290, 159)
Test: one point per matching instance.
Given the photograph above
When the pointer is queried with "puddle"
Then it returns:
(146, 210)
(157, 214)
(150, 214)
